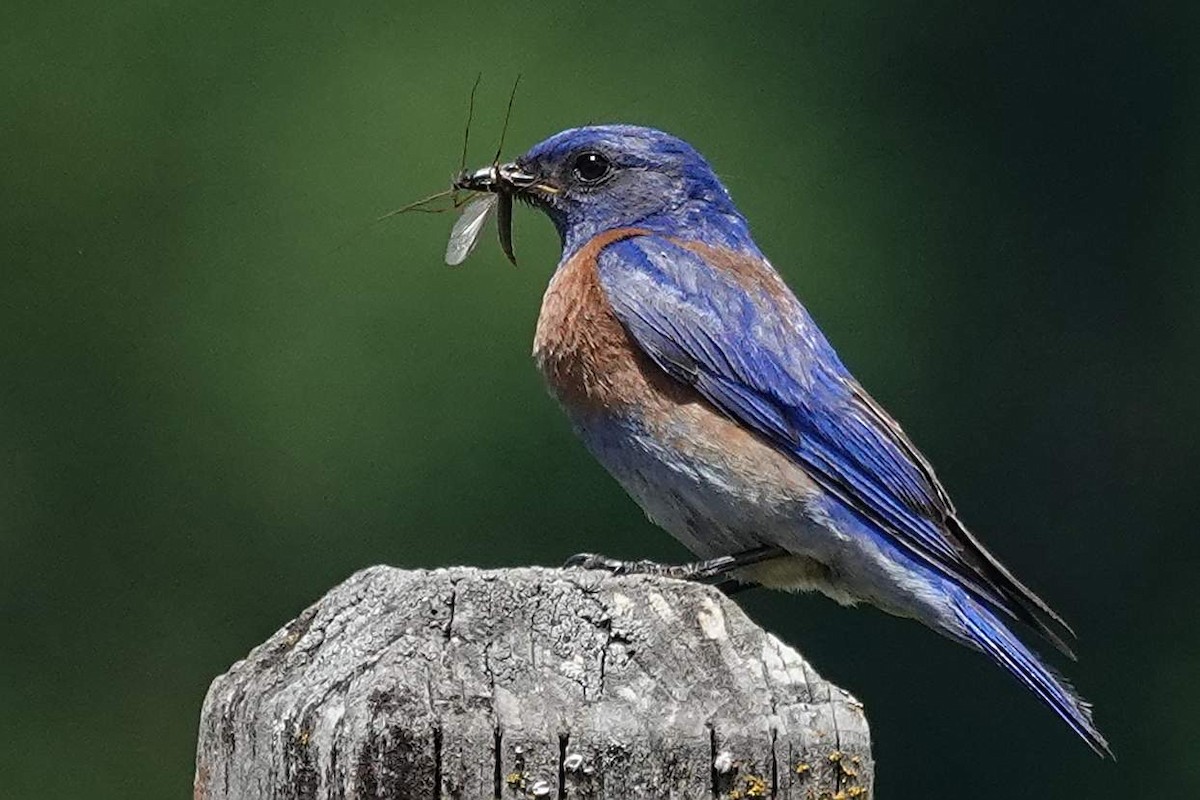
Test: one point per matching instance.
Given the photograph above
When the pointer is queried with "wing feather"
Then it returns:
(742, 339)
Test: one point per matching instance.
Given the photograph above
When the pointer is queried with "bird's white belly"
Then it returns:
(714, 496)
(718, 498)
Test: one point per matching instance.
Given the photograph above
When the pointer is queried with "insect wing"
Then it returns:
(467, 228)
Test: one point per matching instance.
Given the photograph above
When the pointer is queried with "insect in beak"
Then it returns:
(493, 189)
(500, 182)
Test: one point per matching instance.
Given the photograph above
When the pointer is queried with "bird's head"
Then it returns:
(597, 178)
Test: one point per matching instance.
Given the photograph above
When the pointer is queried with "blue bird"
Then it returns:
(696, 377)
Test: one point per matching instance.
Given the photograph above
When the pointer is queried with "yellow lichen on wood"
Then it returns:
(753, 786)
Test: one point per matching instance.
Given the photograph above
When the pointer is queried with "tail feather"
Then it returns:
(989, 634)
(1026, 605)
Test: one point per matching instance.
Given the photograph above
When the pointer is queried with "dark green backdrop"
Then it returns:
(220, 395)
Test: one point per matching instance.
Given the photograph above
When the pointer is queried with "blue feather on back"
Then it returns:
(761, 359)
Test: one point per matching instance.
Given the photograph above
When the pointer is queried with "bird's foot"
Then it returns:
(616, 566)
(712, 570)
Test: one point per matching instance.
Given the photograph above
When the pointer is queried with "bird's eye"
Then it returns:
(591, 167)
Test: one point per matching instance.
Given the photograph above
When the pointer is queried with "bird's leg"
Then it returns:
(709, 570)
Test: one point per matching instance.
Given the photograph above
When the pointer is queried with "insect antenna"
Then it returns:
(507, 113)
(429, 205)
(462, 164)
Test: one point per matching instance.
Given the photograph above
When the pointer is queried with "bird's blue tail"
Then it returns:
(989, 634)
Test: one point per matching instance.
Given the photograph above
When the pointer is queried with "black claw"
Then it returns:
(594, 561)
(578, 561)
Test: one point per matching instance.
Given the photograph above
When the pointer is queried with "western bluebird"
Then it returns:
(700, 382)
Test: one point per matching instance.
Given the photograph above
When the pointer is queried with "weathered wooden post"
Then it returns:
(464, 683)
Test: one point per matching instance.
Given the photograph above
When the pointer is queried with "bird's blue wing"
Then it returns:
(726, 324)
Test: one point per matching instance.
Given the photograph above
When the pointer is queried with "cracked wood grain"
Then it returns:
(465, 683)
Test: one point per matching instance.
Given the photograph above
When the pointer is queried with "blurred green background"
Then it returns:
(220, 393)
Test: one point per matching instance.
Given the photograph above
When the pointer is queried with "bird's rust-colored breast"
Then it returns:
(587, 357)
(598, 372)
